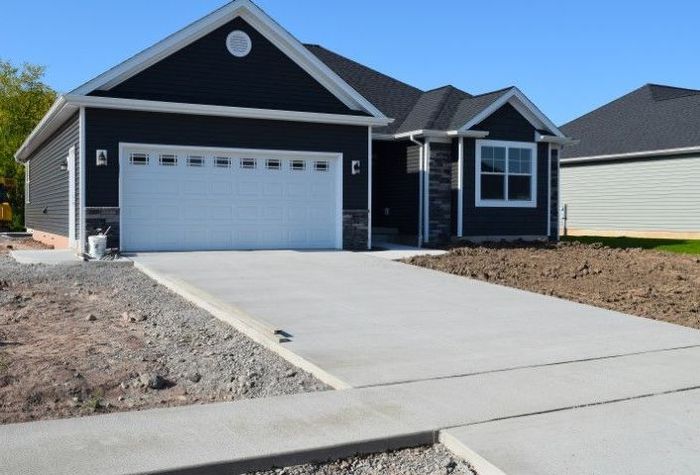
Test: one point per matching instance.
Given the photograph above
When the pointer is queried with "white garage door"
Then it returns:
(206, 199)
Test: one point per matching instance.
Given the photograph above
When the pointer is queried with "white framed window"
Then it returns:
(167, 160)
(297, 165)
(195, 161)
(248, 163)
(139, 159)
(321, 165)
(222, 162)
(273, 164)
(506, 174)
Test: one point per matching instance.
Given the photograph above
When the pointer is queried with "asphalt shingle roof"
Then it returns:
(444, 108)
(653, 117)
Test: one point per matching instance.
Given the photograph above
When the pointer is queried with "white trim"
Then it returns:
(66, 106)
(505, 203)
(435, 135)
(552, 139)
(369, 188)
(426, 191)
(460, 187)
(558, 193)
(27, 185)
(82, 157)
(549, 190)
(258, 20)
(70, 165)
(644, 154)
(261, 153)
(225, 111)
(523, 105)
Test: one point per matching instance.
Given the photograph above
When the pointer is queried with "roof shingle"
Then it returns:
(653, 117)
(444, 108)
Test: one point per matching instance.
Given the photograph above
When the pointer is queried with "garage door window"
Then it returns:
(249, 163)
(297, 165)
(222, 162)
(138, 159)
(195, 161)
(167, 160)
(273, 164)
(321, 165)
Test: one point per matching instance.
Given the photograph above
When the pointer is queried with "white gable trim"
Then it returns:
(523, 105)
(259, 20)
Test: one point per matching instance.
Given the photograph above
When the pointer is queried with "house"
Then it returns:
(231, 134)
(636, 170)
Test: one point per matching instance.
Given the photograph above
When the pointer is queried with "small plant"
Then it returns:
(94, 403)
(4, 365)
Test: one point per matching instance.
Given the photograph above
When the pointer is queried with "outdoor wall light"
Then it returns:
(355, 167)
(64, 165)
(102, 158)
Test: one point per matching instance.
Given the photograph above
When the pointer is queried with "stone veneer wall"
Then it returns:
(355, 229)
(102, 218)
(440, 193)
(554, 196)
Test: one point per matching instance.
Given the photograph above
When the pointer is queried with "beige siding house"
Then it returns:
(636, 170)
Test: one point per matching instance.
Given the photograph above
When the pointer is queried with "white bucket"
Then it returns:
(97, 246)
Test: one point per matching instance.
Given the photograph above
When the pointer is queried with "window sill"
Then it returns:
(505, 204)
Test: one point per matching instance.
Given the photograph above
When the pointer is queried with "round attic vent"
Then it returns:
(238, 43)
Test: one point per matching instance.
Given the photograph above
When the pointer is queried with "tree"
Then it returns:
(24, 99)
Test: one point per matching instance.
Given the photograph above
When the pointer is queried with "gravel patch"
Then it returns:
(652, 284)
(103, 337)
(422, 460)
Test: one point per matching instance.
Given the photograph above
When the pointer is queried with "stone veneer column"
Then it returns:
(554, 195)
(440, 193)
(355, 229)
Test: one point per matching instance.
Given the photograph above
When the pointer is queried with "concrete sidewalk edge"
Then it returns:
(457, 447)
(260, 332)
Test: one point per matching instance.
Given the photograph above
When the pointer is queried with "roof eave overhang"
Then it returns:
(432, 134)
(57, 114)
(67, 105)
(633, 155)
(553, 139)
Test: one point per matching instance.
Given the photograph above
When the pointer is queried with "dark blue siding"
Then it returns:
(105, 129)
(395, 186)
(204, 72)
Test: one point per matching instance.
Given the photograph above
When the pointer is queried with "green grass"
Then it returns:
(681, 246)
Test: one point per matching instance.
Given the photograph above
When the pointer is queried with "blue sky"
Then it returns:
(568, 57)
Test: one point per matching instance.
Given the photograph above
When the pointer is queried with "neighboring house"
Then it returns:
(230, 134)
(636, 170)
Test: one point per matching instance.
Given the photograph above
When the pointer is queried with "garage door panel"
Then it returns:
(218, 203)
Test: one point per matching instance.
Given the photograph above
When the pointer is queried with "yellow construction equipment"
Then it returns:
(6, 184)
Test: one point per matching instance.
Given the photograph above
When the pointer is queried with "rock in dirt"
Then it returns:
(91, 317)
(153, 381)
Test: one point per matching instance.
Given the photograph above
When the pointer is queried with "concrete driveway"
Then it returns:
(368, 321)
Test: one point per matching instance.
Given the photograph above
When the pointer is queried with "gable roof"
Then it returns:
(257, 18)
(651, 118)
(445, 108)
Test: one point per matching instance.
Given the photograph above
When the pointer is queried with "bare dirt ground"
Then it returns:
(652, 284)
(102, 337)
(433, 460)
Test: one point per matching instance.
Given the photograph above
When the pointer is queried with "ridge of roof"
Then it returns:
(651, 117)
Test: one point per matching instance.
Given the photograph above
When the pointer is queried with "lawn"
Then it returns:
(681, 246)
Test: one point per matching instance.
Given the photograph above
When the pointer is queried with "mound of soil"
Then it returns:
(652, 284)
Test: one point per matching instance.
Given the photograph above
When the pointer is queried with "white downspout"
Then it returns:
(426, 190)
(420, 188)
